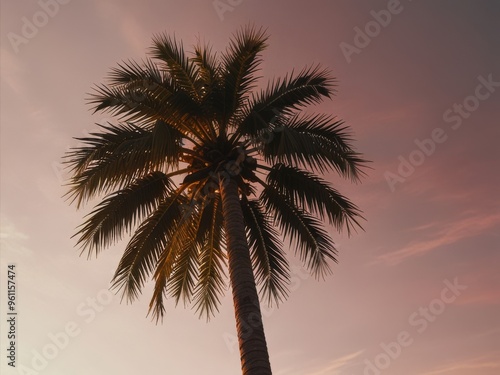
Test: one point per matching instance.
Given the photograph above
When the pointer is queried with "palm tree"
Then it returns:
(206, 176)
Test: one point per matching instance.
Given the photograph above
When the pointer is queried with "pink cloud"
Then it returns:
(338, 364)
(481, 363)
(446, 235)
(487, 297)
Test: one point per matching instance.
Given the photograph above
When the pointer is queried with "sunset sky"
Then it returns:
(416, 293)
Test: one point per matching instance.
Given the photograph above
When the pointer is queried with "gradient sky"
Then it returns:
(434, 225)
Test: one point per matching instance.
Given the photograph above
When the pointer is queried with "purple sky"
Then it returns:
(417, 293)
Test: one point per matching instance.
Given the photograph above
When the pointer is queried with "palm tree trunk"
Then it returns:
(252, 342)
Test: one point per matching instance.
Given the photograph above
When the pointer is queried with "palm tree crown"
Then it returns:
(188, 125)
(205, 175)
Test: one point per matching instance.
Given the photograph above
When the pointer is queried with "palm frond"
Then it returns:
(144, 91)
(179, 244)
(182, 280)
(271, 268)
(120, 154)
(157, 302)
(121, 211)
(143, 251)
(314, 245)
(212, 260)
(283, 96)
(315, 142)
(146, 103)
(310, 192)
(145, 75)
(241, 62)
(207, 65)
(180, 68)
(211, 83)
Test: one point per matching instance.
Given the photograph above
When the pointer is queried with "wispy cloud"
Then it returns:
(446, 234)
(12, 69)
(338, 364)
(481, 363)
(495, 331)
(485, 297)
(11, 239)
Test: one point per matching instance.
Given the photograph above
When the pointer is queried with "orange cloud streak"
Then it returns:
(451, 233)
